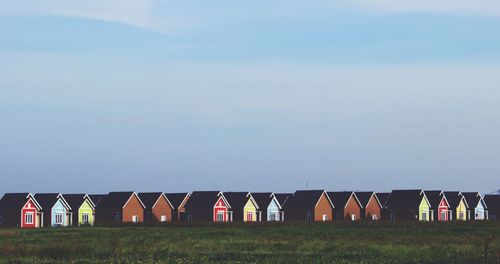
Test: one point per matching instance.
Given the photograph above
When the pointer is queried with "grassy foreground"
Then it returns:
(261, 243)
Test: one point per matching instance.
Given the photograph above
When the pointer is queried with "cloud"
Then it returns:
(478, 7)
(133, 12)
(150, 14)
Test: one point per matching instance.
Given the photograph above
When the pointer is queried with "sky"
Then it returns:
(276, 95)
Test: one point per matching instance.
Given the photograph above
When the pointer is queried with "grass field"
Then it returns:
(261, 243)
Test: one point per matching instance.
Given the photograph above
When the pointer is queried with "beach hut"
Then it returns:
(83, 209)
(118, 208)
(477, 209)
(346, 206)
(178, 200)
(458, 205)
(243, 206)
(439, 204)
(207, 206)
(309, 205)
(371, 207)
(56, 210)
(158, 208)
(408, 205)
(269, 206)
(20, 210)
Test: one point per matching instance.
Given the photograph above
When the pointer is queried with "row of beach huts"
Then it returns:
(26, 210)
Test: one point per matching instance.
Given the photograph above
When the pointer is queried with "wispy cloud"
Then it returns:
(154, 15)
(477, 7)
(171, 16)
(133, 12)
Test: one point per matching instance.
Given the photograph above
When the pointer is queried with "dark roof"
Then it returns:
(262, 199)
(472, 198)
(149, 199)
(434, 198)
(339, 199)
(115, 200)
(304, 199)
(96, 198)
(13, 201)
(404, 199)
(202, 199)
(453, 199)
(383, 197)
(492, 201)
(363, 197)
(283, 197)
(46, 200)
(236, 199)
(176, 198)
(74, 200)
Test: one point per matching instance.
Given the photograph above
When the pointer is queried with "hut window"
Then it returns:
(164, 218)
(28, 218)
(353, 217)
(220, 216)
(272, 217)
(85, 219)
(135, 219)
(443, 216)
(118, 217)
(325, 217)
(249, 217)
(59, 219)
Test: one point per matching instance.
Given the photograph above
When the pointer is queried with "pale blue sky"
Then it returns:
(259, 95)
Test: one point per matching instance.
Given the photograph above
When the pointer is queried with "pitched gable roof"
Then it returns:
(202, 199)
(453, 198)
(16, 201)
(48, 200)
(76, 200)
(263, 199)
(96, 198)
(176, 199)
(236, 199)
(364, 198)
(117, 200)
(434, 198)
(492, 201)
(306, 199)
(340, 199)
(150, 199)
(405, 199)
(473, 199)
(282, 198)
(383, 197)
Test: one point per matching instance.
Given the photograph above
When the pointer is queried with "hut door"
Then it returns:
(392, 217)
(220, 216)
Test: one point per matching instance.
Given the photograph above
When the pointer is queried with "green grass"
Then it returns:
(258, 243)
